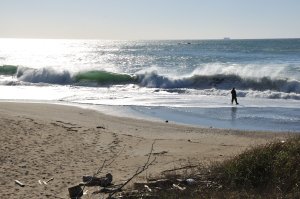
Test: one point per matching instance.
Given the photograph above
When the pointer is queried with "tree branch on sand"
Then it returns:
(105, 182)
(110, 161)
(139, 170)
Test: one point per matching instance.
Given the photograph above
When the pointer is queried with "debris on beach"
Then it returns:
(148, 189)
(75, 191)
(100, 127)
(43, 182)
(95, 181)
(166, 184)
(179, 187)
(19, 183)
(105, 182)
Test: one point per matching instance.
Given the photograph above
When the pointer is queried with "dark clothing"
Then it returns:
(233, 96)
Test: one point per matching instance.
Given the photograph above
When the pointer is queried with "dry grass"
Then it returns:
(269, 171)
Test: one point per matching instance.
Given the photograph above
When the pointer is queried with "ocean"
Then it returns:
(186, 82)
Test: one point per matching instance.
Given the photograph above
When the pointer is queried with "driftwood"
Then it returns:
(49, 180)
(106, 182)
(138, 171)
(41, 182)
(162, 183)
(148, 188)
(94, 181)
(178, 187)
(181, 168)
(108, 176)
(19, 183)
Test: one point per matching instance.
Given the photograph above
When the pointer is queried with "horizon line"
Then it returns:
(163, 39)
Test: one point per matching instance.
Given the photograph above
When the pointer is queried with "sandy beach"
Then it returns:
(44, 141)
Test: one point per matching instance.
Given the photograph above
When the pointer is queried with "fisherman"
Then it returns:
(233, 96)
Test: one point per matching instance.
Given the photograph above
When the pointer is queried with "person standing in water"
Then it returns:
(233, 96)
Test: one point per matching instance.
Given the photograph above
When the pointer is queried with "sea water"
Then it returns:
(186, 82)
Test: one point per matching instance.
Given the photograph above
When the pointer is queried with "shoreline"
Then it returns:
(43, 141)
(275, 118)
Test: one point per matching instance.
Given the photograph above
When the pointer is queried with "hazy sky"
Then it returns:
(150, 19)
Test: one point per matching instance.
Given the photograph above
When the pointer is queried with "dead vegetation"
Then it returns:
(269, 171)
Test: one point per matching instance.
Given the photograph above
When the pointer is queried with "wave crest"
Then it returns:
(152, 80)
(219, 81)
(44, 75)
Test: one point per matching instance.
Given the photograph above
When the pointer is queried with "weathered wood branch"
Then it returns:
(138, 171)
(181, 168)
(105, 182)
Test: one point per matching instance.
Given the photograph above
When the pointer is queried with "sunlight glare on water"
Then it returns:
(166, 77)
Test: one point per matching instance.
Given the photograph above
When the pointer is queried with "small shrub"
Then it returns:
(270, 167)
(269, 171)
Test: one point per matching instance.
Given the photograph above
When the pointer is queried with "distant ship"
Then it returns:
(226, 38)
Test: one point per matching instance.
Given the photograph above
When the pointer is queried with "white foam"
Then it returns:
(258, 70)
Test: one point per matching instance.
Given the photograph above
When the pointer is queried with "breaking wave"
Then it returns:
(219, 81)
(151, 80)
(43, 75)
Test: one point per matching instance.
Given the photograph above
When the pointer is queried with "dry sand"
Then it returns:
(43, 141)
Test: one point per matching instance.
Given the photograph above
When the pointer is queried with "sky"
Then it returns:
(149, 19)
